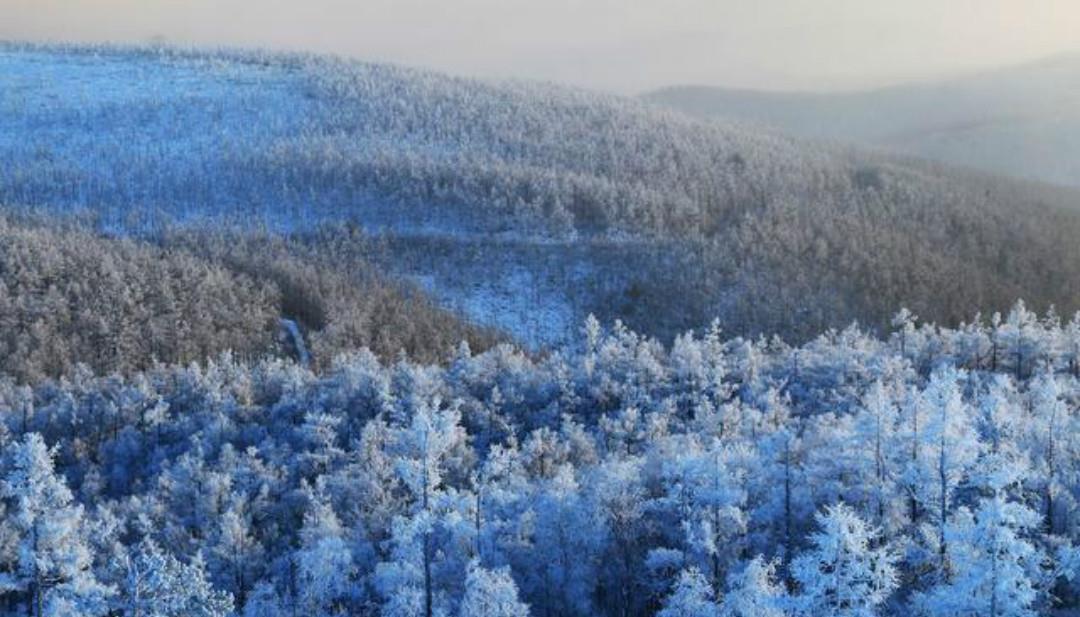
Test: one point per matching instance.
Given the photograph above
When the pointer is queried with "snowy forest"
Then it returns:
(285, 335)
(932, 472)
(526, 206)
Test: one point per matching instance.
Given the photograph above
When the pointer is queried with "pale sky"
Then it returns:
(622, 45)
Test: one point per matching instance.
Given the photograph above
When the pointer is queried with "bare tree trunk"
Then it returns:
(1050, 473)
(943, 486)
(479, 523)
(427, 575)
(879, 465)
(914, 502)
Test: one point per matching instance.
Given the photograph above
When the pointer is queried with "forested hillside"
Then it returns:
(228, 388)
(69, 296)
(528, 206)
(933, 473)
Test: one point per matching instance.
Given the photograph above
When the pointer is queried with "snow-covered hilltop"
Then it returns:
(527, 206)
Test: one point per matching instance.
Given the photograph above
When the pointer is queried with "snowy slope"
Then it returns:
(522, 205)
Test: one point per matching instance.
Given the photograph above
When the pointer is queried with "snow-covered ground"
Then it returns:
(523, 301)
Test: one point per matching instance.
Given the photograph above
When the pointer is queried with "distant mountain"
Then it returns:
(520, 206)
(1022, 121)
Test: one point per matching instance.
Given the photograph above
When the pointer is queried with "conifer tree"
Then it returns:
(843, 574)
(54, 568)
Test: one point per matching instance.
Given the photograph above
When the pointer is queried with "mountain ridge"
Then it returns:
(1019, 121)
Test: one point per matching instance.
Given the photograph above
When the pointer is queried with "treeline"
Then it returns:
(70, 296)
(935, 472)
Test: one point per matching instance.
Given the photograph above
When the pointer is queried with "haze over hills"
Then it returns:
(1020, 121)
(520, 206)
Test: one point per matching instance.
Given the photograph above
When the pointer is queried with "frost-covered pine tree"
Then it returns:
(843, 574)
(1050, 443)
(1021, 337)
(999, 424)
(904, 323)
(423, 447)
(323, 562)
(490, 593)
(561, 565)
(692, 596)
(54, 566)
(875, 431)
(237, 554)
(264, 601)
(950, 445)
(780, 492)
(617, 494)
(704, 493)
(159, 585)
(1070, 345)
(755, 592)
(995, 570)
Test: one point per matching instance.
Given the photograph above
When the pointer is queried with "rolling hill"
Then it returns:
(522, 206)
(1021, 121)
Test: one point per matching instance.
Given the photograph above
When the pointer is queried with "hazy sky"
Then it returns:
(622, 45)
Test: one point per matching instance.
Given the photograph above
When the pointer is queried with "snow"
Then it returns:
(516, 300)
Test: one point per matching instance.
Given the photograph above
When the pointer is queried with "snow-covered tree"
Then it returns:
(490, 593)
(692, 596)
(561, 563)
(155, 584)
(618, 502)
(1051, 444)
(876, 441)
(1022, 338)
(995, 570)
(323, 562)
(844, 573)
(237, 553)
(754, 591)
(704, 496)
(904, 323)
(54, 566)
(423, 446)
(950, 446)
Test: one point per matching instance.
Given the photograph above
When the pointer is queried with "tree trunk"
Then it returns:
(427, 547)
(879, 471)
(914, 503)
(427, 575)
(943, 486)
(1050, 475)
